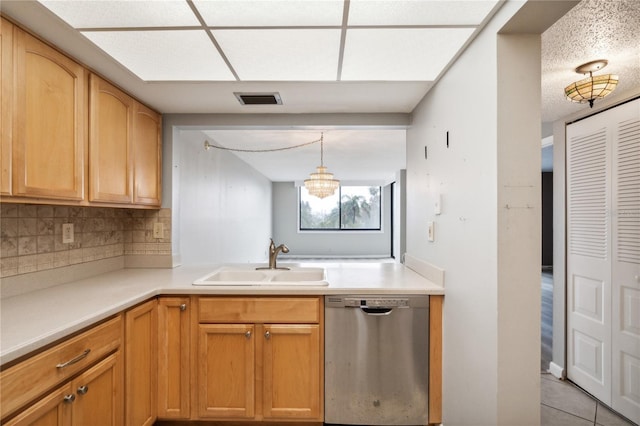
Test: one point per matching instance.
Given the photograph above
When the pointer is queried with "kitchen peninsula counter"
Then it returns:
(34, 319)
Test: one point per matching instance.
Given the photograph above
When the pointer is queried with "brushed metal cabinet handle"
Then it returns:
(82, 390)
(68, 399)
(183, 307)
(80, 357)
(267, 335)
(247, 334)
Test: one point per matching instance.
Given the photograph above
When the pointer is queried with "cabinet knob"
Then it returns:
(183, 307)
(83, 390)
(247, 334)
(267, 335)
(68, 399)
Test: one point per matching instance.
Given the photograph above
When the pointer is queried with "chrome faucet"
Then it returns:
(273, 254)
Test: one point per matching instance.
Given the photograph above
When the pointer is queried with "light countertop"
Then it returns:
(32, 320)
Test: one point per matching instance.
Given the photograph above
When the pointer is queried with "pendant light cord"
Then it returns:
(321, 150)
(207, 145)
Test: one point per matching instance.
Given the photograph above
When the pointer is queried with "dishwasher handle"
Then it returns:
(376, 311)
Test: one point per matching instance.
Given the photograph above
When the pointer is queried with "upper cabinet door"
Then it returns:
(147, 168)
(6, 90)
(110, 143)
(50, 126)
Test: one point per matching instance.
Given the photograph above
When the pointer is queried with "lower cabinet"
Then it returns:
(227, 359)
(226, 366)
(99, 394)
(174, 358)
(292, 372)
(260, 358)
(92, 397)
(141, 367)
(52, 410)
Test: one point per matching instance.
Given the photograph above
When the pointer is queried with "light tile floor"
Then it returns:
(564, 404)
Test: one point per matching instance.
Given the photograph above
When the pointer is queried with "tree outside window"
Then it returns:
(349, 208)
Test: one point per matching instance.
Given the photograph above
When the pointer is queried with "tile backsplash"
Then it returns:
(31, 235)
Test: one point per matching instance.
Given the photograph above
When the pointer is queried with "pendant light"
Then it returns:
(592, 87)
(321, 183)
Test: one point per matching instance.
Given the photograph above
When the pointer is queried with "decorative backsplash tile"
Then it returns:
(31, 235)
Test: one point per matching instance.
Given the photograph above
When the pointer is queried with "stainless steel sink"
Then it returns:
(249, 276)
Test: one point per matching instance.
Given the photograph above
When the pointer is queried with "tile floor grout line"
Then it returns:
(566, 412)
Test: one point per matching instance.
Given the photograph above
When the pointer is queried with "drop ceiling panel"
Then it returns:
(412, 12)
(400, 54)
(123, 14)
(278, 40)
(271, 13)
(164, 55)
(278, 54)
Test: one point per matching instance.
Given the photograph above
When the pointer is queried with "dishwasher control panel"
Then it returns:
(367, 301)
(376, 302)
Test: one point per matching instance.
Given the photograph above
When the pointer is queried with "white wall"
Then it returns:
(492, 263)
(224, 204)
(399, 217)
(285, 230)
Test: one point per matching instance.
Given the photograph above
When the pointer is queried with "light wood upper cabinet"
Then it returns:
(110, 143)
(6, 93)
(147, 156)
(49, 122)
(141, 348)
(174, 358)
(70, 137)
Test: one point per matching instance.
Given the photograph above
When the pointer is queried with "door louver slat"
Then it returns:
(628, 192)
(588, 221)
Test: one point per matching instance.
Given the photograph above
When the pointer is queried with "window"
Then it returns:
(352, 208)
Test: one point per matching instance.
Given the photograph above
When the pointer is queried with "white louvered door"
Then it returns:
(588, 260)
(603, 257)
(625, 337)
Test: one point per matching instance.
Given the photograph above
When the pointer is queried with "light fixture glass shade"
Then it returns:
(321, 183)
(591, 88)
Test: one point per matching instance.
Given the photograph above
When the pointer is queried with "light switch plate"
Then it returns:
(431, 227)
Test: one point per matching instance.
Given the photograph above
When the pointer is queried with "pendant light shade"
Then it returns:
(592, 87)
(321, 183)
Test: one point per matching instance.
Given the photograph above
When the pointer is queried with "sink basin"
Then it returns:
(231, 275)
(306, 274)
(248, 276)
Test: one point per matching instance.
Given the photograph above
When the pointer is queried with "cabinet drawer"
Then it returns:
(27, 380)
(259, 310)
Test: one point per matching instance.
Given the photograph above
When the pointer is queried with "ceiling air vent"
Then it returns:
(259, 98)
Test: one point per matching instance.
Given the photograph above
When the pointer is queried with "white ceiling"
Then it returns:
(321, 56)
(594, 29)
(277, 40)
(353, 156)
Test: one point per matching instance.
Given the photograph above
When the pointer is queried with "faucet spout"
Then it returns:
(273, 254)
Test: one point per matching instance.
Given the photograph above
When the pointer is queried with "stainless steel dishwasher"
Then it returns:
(376, 360)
